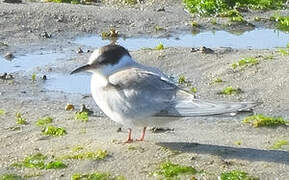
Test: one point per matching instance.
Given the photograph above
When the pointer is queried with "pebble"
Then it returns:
(9, 56)
(45, 35)
(79, 51)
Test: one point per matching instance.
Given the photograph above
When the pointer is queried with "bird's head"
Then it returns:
(107, 60)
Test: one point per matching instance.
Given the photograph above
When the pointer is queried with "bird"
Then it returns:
(137, 95)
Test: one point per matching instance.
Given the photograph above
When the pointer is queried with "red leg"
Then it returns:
(143, 134)
(129, 139)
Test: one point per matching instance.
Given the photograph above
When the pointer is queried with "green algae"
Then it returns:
(260, 120)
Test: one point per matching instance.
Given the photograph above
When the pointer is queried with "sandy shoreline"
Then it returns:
(207, 144)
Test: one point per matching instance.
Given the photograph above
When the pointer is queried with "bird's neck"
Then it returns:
(124, 62)
(100, 78)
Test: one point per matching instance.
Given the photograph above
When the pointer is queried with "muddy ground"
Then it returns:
(211, 144)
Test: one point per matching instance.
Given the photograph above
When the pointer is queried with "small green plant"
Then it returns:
(238, 143)
(214, 7)
(159, 28)
(236, 175)
(284, 52)
(194, 90)
(245, 62)
(230, 13)
(55, 165)
(77, 148)
(230, 91)
(92, 176)
(239, 19)
(279, 144)
(217, 80)
(33, 77)
(10, 177)
(282, 22)
(195, 24)
(82, 116)
(33, 161)
(2, 112)
(260, 120)
(44, 121)
(38, 161)
(53, 131)
(20, 119)
(98, 155)
(182, 79)
(160, 46)
(170, 170)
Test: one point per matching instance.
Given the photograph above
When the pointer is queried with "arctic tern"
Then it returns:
(136, 95)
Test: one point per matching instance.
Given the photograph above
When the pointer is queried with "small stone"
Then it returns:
(206, 50)
(161, 130)
(6, 76)
(118, 129)
(44, 77)
(79, 51)
(194, 50)
(162, 9)
(85, 109)
(12, 1)
(45, 35)
(69, 107)
(9, 56)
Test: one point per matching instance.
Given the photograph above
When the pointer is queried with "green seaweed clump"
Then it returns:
(20, 119)
(230, 91)
(33, 77)
(245, 62)
(214, 7)
(98, 155)
(44, 121)
(260, 120)
(55, 165)
(2, 112)
(284, 52)
(10, 177)
(236, 175)
(282, 22)
(279, 144)
(82, 116)
(92, 176)
(217, 80)
(38, 161)
(33, 161)
(53, 131)
(182, 79)
(160, 46)
(169, 170)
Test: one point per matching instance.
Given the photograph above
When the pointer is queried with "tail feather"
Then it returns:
(206, 108)
(186, 105)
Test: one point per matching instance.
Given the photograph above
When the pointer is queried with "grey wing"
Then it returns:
(145, 93)
(153, 95)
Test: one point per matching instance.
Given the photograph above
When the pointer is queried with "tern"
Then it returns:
(136, 95)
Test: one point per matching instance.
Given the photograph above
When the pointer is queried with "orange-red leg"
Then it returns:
(129, 139)
(143, 134)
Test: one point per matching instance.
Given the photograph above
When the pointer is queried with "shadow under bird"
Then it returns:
(136, 95)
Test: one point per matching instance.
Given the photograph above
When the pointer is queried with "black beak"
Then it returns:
(82, 68)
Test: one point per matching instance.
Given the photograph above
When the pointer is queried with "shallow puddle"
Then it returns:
(29, 61)
(77, 83)
(255, 39)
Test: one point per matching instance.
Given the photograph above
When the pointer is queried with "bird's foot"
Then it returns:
(140, 139)
(128, 141)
